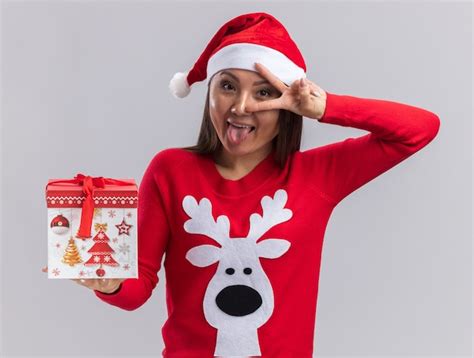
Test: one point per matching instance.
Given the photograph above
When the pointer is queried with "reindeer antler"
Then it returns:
(202, 221)
(273, 213)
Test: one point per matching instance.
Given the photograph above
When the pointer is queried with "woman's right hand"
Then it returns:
(104, 285)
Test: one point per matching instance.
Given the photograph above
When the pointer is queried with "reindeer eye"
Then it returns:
(230, 271)
(247, 270)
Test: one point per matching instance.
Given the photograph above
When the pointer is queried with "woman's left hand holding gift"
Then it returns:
(104, 285)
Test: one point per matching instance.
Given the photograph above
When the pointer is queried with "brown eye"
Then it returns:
(225, 83)
(269, 92)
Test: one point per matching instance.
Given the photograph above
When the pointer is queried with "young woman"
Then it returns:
(240, 217)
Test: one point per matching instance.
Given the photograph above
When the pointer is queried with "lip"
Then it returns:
(241, 124)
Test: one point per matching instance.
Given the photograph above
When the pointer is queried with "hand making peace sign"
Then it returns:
(303, 97)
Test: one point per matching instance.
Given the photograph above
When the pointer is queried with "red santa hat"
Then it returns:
(239, 43)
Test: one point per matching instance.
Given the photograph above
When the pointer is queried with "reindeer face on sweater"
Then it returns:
(239, 298)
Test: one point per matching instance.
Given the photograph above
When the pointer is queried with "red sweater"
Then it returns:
(243, 257)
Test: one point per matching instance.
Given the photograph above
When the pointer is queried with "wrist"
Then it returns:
(323, 107)
(114, 291)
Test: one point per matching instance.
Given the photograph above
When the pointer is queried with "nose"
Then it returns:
(238, 300)
(239, 107)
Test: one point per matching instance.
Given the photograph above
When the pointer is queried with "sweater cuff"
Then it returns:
(335, 107)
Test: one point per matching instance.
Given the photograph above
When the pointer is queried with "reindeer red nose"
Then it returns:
(238, 300)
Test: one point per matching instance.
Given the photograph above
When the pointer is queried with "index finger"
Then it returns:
(265, 105)
(274, 80)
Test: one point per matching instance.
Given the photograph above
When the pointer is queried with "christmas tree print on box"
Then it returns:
(109, 248)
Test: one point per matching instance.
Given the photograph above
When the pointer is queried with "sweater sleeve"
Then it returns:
(396, 132)
(152, 238)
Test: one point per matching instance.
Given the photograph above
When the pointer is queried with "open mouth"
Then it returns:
(252, 128)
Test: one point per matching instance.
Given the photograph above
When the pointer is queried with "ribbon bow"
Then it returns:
(89, 184)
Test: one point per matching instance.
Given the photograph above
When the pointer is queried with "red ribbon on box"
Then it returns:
(89, 184)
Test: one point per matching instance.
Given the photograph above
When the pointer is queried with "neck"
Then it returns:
(241, 162)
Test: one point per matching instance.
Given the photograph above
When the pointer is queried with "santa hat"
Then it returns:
(239, 43)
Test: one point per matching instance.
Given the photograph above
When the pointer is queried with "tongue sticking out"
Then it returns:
(237, 135)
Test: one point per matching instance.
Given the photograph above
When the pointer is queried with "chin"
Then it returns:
(239, 149)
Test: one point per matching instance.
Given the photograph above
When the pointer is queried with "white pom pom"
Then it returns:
(179, 86)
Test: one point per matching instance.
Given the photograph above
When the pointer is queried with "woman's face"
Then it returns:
(235, 88)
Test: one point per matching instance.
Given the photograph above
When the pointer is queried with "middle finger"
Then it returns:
(274, 80)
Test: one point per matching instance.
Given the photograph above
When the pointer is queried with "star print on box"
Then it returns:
(124, 228)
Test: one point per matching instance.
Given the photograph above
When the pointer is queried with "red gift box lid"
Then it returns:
(70, 195)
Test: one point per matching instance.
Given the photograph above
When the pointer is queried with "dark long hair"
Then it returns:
(286, 142)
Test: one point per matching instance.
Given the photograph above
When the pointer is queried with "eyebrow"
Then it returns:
(237, 79)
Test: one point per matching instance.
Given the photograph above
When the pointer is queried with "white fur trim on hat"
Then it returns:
(244, 55)
(179, 86)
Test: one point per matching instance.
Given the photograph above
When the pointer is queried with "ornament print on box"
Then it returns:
(239, 297)
(109, 248)
(59, 225)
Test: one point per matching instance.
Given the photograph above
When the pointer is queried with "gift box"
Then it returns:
(92, 228)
